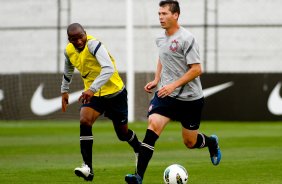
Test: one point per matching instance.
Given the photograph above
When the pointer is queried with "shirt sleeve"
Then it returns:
(107, 68)
(191, 51)
(68, 73)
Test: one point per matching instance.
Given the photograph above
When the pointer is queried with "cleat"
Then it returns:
(133, 179)
(214, 150)
(85, 172)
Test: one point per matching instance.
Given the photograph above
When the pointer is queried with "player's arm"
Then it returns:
(67, 77)
(107, 69)
(148, 87)
(194, 71)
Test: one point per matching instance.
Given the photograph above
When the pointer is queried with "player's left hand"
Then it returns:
(86, 96)
(166, 90)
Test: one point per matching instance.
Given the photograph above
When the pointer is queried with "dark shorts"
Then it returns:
(187, 112)
(115, 108)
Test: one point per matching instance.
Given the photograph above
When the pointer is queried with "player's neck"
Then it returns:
(170, 31)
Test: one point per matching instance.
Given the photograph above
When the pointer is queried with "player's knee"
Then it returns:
(121, 136)
(121, 130)
(85, 121)
(152, 124)
(189, 144)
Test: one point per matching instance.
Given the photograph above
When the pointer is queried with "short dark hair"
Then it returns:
(173, 5)
(74, 26)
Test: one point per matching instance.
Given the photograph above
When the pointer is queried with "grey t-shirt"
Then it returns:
(176, 52)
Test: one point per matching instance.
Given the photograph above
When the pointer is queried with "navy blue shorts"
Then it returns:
(187, 112)
(115, 108)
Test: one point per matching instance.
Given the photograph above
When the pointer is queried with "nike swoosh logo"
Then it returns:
(85, 75)
(215, 89)
(274, 102)
(41, 106)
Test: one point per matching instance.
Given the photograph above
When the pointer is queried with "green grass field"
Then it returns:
(47, 152)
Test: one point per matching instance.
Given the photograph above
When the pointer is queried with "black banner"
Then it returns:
(240, 97)
(248, 97)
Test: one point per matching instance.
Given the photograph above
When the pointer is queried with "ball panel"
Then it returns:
(175, 174)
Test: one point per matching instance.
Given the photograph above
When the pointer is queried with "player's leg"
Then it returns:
(87, 117)
(126, 134)
(159, 115)
(156, 124)
(116, 109)
(192, 137)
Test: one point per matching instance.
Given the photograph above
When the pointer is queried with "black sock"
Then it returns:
(146, 151)
(86, 143)
(202, 141)
(133, 141)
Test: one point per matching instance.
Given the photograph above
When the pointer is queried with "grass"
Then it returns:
(47, 152)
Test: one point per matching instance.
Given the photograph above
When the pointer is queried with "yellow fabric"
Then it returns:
(88, 66)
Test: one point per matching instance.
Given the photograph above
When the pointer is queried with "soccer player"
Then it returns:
(104, 92)
(179, 96)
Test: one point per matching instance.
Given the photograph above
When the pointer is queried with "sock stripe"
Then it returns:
(132, 137)
(204, 141)
(147, 146)
(86, 138)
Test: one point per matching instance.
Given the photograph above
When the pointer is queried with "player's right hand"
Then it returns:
(65, 101)
(151, 85)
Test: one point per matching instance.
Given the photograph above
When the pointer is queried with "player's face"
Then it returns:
(167, 18)
(78, 38)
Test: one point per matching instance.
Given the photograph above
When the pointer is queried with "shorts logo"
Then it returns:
(174, 46)
(192, 126)
(150, 108)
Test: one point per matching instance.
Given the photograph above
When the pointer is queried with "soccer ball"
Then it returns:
(175, 174)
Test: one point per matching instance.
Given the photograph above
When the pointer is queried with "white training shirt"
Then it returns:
(176, 52)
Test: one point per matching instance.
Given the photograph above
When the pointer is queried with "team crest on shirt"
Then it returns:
(174, 46)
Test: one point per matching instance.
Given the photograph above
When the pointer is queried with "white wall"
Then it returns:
(28, 41)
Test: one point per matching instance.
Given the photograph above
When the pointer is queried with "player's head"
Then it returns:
(77, 35)
(172, 4)
(169, 12)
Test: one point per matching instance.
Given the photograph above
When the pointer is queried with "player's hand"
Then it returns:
(86, 96)
(151, 85)
(65, 101)
(166, 90)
